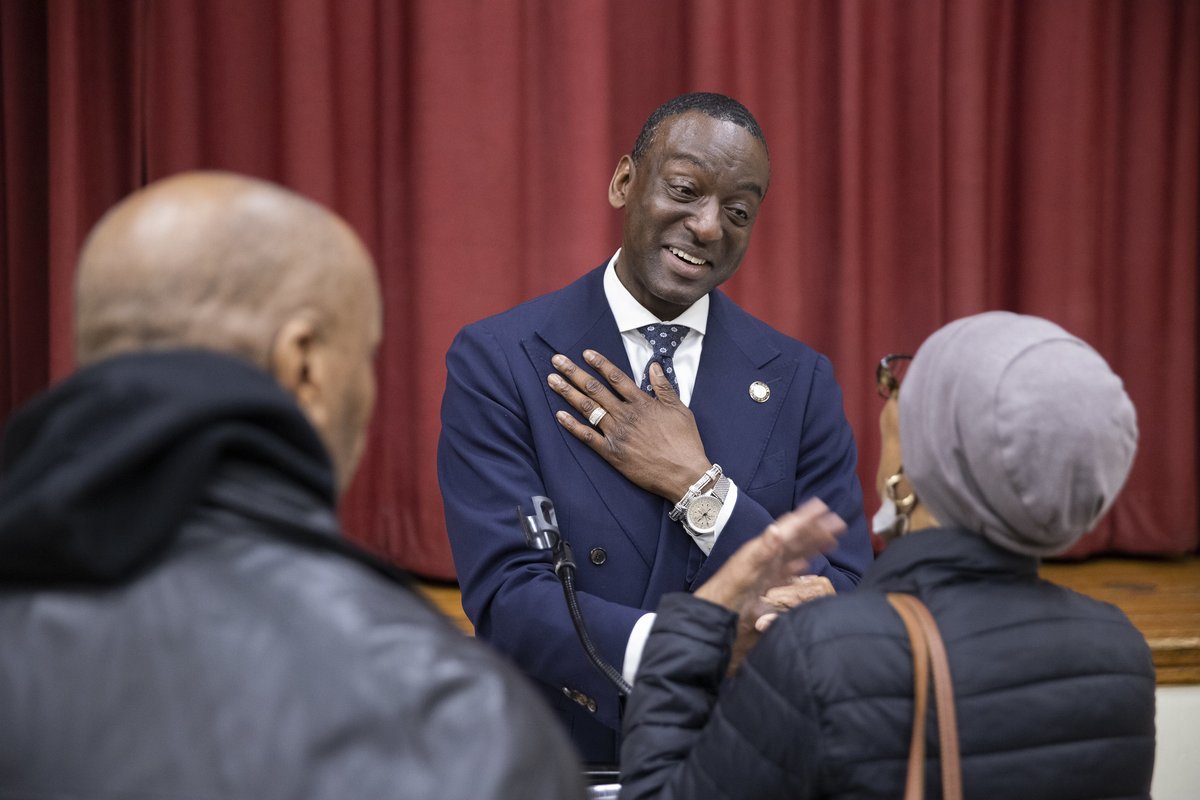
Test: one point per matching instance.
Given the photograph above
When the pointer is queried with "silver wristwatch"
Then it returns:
(698, 510)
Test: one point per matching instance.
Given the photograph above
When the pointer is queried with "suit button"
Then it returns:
(580, 698)
(598, 556)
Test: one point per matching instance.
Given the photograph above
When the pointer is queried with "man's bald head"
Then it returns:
(210, 260)
(245, 267)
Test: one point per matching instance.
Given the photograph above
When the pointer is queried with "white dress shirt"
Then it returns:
(631, 315)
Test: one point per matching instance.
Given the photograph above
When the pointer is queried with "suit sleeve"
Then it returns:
(825, 468)
(487, 466)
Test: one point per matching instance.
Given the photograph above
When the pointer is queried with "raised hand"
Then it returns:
(800, 589)
(769, 560)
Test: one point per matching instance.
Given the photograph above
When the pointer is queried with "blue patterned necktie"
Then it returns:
(664, 339)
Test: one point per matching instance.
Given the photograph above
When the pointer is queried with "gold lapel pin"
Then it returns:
(760, 392)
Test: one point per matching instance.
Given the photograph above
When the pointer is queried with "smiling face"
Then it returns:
(690, 205)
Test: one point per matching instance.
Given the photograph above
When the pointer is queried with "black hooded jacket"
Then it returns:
(181, 617)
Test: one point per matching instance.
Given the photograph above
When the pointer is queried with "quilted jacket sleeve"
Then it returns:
(758, 740)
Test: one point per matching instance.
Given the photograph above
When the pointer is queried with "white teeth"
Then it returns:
(686, 257)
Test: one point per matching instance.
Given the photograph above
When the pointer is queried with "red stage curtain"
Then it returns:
(929, 160)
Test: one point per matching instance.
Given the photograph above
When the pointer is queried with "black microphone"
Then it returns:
(541, 533)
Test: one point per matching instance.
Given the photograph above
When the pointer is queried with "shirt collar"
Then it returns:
(631, 315)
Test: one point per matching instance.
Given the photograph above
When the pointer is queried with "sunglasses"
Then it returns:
(889, 373)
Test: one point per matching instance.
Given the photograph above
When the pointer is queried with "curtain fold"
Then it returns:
(24, 204)
(929, 160)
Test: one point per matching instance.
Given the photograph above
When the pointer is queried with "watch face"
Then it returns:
(702, 513)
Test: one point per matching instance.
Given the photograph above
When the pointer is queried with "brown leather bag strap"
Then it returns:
(914, 788)
(930, 639)
(944, 692)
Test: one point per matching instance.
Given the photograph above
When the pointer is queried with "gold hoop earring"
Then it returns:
(904, 504)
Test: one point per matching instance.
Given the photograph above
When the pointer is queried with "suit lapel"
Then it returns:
(734, 427)
(581, 319)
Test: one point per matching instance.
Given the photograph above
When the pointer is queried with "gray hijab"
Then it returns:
(1015, 429)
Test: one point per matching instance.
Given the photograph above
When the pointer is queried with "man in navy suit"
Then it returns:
(539, 401)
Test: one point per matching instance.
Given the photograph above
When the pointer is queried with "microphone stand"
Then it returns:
(541, 533)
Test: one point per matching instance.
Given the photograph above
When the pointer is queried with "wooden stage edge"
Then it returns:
(1160, 597)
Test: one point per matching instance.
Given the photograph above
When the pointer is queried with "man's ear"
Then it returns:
(619, 185)
(294, 363)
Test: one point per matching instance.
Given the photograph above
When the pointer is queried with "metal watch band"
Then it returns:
(713, 474)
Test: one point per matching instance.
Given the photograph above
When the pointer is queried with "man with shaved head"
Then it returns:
(180, 614)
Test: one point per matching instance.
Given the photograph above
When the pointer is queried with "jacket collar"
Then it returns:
(736, 356)
(256, 496)
(942, 555)
(98, 472)
(580, 312)
(579, 318)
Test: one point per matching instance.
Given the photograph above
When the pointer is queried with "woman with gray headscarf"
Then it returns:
(1015, 438)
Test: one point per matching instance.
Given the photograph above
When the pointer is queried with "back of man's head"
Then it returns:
(240, 266)
(210, 260)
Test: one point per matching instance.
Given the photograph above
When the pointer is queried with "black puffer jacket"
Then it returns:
(181, 619)
(1054, 691)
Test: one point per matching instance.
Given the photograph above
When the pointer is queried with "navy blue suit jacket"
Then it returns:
(500, 444)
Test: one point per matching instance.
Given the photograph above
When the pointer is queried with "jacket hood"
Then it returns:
(98, 473)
